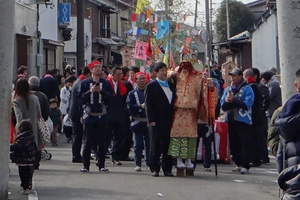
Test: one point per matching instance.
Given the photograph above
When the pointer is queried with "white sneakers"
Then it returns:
(244, 171)
(137, 169)
(240, 169)
(237, 169)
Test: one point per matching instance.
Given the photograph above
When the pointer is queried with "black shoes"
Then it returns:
(77, 160)
(255, 164)
(169, 174)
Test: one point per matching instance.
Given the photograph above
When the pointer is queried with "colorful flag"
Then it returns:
(163, 29)
(149, 48)
(140, 6)
(133, 17)
(166, 57)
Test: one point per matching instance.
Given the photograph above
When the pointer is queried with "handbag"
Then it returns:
(43, 130)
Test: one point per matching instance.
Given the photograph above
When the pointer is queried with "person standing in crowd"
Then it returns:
(56, 117)
(237, 100)
(94, 93)
(49, 86)
(275, 92)
(75, 114)
(152, 73)
(26, 106)
(127, 140)
(34, 83)
(22, 72)
(65, 95)
(136, 107)
(23, 154)
(159, 104)
(263, 127)
(288, 153)
(259, 144)
(117, 114)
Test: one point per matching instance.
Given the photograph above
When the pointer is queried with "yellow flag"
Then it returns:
(166, 57)
(140, 6)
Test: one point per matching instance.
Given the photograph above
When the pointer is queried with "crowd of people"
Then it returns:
(162, 115)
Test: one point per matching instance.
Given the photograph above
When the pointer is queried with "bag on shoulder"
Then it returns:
(43, 130)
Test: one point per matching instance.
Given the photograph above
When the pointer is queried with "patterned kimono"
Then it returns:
(190, 105)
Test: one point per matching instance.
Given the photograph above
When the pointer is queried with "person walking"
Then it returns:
(23, 154)
(159, 104)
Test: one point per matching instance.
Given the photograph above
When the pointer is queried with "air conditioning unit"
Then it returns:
(47, 2)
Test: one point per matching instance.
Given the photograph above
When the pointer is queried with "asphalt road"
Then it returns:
(59, 179)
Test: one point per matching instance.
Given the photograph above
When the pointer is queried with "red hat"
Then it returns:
(93, 63)
(138, 74)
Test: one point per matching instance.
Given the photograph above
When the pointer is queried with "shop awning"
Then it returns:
(105, 41)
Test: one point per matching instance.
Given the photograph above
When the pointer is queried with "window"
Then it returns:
(104, 24)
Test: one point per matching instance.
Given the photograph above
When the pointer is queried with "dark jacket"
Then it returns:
(94, 103)
(44, 103)
(49, 86)
(257, 113)
(134, 100)
(275, 95)
(158, 108)
(289, 182)
(117, 107)
(55, 116)
(24, 148)
(265, 95)
(273, 133)
(75, 112)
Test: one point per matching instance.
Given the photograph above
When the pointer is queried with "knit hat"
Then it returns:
(93, 63)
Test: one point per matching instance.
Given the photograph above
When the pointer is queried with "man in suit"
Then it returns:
(159, 101)
(117, 114)
(75, 114)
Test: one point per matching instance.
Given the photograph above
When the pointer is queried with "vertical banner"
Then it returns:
(126, 56)
(140, 50)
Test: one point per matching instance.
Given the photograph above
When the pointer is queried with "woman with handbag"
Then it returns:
(26, 106)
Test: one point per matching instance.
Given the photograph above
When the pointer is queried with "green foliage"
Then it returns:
(240, 19)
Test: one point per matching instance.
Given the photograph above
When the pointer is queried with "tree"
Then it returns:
(240, 19)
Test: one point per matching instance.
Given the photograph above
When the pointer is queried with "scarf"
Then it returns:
(48, 75)
(81, 77)
(163, 83)
(121, 87)
(251, 79)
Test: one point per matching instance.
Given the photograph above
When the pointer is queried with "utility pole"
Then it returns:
(289, 44)
(208, 44)
(196, 14)
(7, 16)
(80, 34)
(227, 20)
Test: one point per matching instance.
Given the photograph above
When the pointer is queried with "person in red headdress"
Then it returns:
(95, 93)
(136, 106)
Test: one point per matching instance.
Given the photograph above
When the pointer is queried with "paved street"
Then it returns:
(58, 178)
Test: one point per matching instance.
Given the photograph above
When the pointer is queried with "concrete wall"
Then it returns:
(264, 45)
(70, 46)
(25, 24)
(49, 21)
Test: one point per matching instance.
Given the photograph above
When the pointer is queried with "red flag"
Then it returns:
(149, 48)
(177, 26)
(184, 17)
(133, 17)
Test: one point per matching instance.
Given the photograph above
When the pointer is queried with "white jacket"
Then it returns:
(65, 96)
